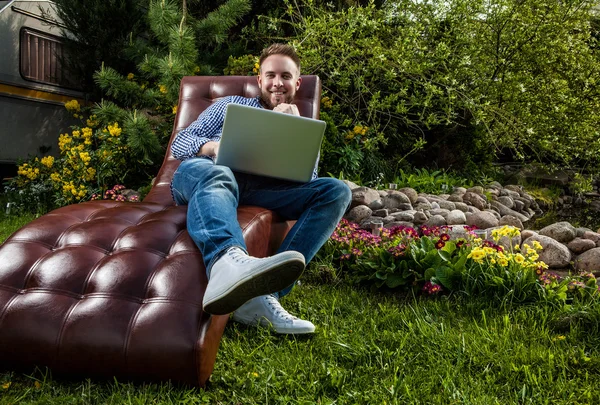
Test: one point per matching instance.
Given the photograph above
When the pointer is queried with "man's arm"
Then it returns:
(201, 137)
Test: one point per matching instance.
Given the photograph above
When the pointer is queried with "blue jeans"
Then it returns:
(213, 192)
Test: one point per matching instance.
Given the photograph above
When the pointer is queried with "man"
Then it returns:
(247, 286)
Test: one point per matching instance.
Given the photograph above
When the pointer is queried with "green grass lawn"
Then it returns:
(369, 348)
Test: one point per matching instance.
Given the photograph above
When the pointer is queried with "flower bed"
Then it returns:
(429, 261)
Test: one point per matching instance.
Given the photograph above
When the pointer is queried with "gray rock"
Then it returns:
(593, 236)
(506, 201)
(422, 199)
(461, 206)
(475, 200)
(350, 184)
(527, 233)
(405, 207)
(456, 217)
(579, 245)
(513, 194)
(376, 205)
(554, 254)
(579, 231)
(562, 232)
(359, 213)
(363, 196)
(410, 193)
(495, 213)
(482, 220)
(423, 206)
(504, 210)
(447, 205)
(459, 190)
(439, 211)
(394, 199)
(475, 189)
(388, 219)
(513, 187)
(419, 218)
(436, 220)
(405, 216)
(456, 198)
(399, 223)
(495, 184)
(435, 205)
(382, 193)
(526, 203)
(589, 261)
(380, 213)
(518, 205)
(511, 220)
(473, 210)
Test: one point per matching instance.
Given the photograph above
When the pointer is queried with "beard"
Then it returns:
(267, 99)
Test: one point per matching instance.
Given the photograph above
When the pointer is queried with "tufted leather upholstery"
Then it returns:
(112, 288)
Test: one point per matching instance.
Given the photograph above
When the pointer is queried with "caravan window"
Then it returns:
(40, 58)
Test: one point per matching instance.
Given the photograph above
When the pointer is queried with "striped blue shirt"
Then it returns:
(209, 127)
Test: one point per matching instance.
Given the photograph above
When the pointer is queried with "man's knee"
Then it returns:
(338, 190)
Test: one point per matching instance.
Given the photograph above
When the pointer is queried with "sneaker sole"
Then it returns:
(270, 281)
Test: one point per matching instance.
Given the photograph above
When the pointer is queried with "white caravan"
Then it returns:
(33, 87)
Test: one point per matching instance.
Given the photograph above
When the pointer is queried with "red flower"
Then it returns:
(440, 244)
(445, 237)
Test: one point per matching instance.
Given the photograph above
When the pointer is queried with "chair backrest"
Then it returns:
(198, 92)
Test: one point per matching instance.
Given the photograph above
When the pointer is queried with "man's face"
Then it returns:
(278, 80)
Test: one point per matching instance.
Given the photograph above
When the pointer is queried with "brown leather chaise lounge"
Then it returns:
(107, 288)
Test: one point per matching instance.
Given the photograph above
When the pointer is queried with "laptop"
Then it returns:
(269, 143)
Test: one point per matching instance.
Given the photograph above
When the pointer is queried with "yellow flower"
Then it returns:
(63, 141)
(174, 109)
(86, 132)
(163, 89)
(48, 161)
(503, 262)
(130, 76)
(76, 134)
(55, 177)
(91, 122)
(519, 258)
(6, 385)
(326, 102)
(537, 245)
(73, 106)
(114, 129)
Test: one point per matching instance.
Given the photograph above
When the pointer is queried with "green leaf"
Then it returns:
(395, 280)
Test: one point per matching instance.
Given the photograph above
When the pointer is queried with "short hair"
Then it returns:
(280, 49)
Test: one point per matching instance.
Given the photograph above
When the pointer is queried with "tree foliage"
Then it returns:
(475, 80)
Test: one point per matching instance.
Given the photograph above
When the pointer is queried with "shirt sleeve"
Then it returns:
(207, 127)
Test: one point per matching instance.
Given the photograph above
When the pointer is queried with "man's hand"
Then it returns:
(209, 149)
(287, 109)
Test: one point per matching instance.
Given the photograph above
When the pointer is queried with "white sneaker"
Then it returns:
(266, 310)
(236, 277)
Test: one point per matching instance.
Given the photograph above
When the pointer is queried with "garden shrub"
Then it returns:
(93, 157)
(468, 79)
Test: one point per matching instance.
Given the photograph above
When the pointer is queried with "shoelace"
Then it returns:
(238, 256)
(280, 312)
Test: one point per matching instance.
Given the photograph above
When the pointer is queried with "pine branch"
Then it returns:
(163, 14)
(117, 86)
(108, 112)
(213, 30)
(140, 138)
